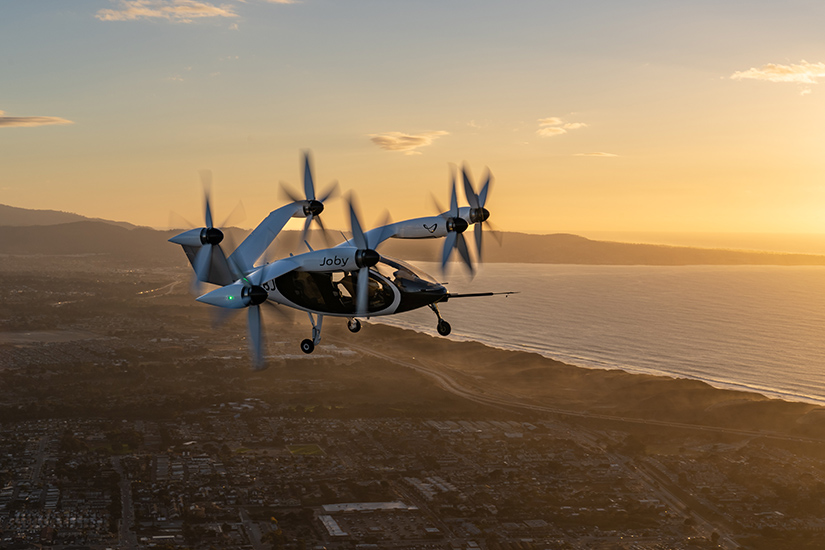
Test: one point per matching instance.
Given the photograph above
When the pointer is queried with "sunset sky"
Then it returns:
(592, 115)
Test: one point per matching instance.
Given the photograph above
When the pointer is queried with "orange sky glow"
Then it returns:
(592, 116)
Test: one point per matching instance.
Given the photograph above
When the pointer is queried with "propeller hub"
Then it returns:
(367, 257)
(256, 294)
(459, 225)
(211, 235)
(313, 208)
(478, 215)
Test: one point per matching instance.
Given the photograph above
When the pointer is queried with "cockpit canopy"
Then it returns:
(334, 292)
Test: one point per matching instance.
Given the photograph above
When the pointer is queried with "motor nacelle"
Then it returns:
(457, 225)
(211, 235)
(313, 208)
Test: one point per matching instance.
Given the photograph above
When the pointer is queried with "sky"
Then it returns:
(603, 116)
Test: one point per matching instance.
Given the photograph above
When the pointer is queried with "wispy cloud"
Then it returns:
(408, 143)
(29, 121)
(554, 126)
(178, 11)
(595, 154)
(801, 73)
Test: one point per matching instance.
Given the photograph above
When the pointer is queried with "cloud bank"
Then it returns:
(30, 121)
(554, 126)
(179, 11)
(408, 143)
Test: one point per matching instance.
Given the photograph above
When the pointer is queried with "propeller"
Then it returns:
(366, 256)
(456, 226)
(256, 296)
(246, 292)
(206, 239)
(479, 214)
(312, 206)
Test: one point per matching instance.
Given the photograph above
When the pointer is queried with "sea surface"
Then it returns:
(752, 328)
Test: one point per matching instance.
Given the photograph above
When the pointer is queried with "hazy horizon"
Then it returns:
(797, 243)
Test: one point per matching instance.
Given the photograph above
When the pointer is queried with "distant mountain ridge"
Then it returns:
(127, 243)
(25, 217)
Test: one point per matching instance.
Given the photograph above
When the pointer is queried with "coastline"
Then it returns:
(535, 380)
(766, 392)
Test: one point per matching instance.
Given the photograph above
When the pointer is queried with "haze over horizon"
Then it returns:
(594, 117)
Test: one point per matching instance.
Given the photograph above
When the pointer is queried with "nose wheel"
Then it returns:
(354, 325)
(308, 346)
(443, 327)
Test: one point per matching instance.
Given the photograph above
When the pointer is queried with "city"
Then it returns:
(122, 429)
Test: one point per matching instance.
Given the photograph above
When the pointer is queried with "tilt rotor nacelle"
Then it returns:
(458, 225)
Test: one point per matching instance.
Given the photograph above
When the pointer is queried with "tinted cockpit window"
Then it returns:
(332, 292)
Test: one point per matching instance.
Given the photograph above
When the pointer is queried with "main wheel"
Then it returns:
(307, 346)
(354, 325)
(443, 328)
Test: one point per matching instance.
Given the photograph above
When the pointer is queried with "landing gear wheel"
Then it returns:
(307, 346)
(443, 328)
(354, 325)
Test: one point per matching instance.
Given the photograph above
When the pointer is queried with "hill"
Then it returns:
(24, 217)
(150, 247)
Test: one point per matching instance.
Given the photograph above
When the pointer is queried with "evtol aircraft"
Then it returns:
(350, 280)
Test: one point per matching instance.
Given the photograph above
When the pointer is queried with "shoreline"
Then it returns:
(543, 383)
(767, 393)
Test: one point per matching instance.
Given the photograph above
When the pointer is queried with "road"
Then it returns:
(128, 538)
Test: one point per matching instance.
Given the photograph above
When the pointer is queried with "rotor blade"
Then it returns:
(220, 316)
(449, 244)
(438, 206)
(333, 190)
(453, 199)
(176, 221)
(208, 213)
(469, 192)
(255, 337)
(357, 231)
(362, 292)
(201, 263)
(485, 189)
(306, 227)
(309, 187)
(206, 179)
(497, 235)
(383, 234)
(478, 241)
(237, 216)
(289, 193)
(324, 232)
(465, 252)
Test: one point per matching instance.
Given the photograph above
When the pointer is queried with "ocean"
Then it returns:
(751, 328)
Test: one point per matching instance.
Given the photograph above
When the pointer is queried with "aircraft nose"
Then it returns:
(229, 296)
